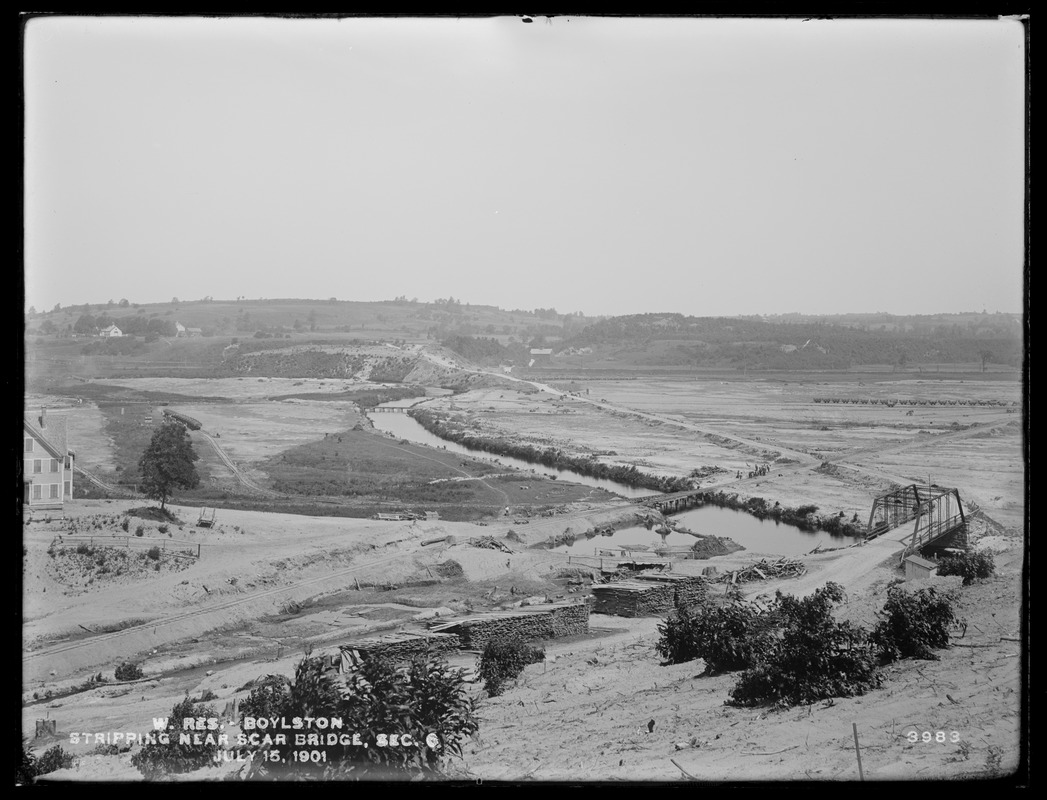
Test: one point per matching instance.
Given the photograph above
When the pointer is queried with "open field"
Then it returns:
(676, 426)
(270, 586)
(275, 585)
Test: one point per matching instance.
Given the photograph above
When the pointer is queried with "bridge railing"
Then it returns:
(927, 534)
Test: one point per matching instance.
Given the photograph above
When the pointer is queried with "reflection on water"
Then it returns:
(403, 426)
(758, 536)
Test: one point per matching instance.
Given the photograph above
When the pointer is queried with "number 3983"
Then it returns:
(933, 736)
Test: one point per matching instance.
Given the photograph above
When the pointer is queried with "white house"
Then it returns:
(179, 329)
(47, 466)
(111, 332)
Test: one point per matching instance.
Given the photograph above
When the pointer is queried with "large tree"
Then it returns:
(167, 462)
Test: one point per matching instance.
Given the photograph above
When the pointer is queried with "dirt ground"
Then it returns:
(604, 708)
(595, 698)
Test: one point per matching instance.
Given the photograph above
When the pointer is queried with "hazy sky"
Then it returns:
(611, 166)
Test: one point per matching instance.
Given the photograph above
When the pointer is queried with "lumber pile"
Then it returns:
(634, 598)
(527, 623)
(397, 646)
(490, 543)
(688, 590)
(763, 570)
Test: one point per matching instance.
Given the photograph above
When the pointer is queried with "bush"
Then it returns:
(815, 658)
(153, 553)
(732, 637)
(972, 566)
(83, 550)
(159, 758)
(125, 524)
(127, 672)
(502, 661)
(912, 624)
(140, 531)
(162, 528)
(27, 767)
(268, 699)
(426, 697)
(53, 759)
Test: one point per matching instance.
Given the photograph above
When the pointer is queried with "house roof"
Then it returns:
(921, 562)
(110, 328)
(54, 440)
(545, 351)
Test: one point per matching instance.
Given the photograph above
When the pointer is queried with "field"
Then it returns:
(675, 426)
(269, 586)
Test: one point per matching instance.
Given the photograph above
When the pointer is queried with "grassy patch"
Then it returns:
(362, 464)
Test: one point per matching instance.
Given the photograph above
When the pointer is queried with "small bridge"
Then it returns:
(674, 501)
(390, 409)
(935, 511)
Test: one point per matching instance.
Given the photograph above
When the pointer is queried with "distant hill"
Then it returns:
(807, 343)
(492, 336)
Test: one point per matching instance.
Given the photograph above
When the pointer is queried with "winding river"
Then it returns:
(403, 426)
(759, 536)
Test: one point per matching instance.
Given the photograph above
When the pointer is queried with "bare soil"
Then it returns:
(270, 586)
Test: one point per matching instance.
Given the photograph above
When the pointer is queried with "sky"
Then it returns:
(712, 167)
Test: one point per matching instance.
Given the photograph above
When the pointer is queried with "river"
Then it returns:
(757, 535)
(403, 426)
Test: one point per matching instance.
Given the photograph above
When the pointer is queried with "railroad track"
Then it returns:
(243, 479)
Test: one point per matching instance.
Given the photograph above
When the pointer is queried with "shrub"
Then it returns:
(425, 698)
(127, 672)
(140, 530)
(83, 549)
(125, 524)
(162, 528)
(503, 660)
(268, 699)
(153, 553)
(971, 566)
(27, 767)
(912, 624)
(815, 658)
(53, 759)
(732, 637)
(169, 754)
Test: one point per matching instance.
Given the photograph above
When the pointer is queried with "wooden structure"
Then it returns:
(687, 589)
(634, 598)
(673, 501)
(207, 518)
(397, 646)
(526, 623)
(48, 463)
(917, 568)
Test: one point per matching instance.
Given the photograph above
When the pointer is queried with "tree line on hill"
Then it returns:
(675, 340)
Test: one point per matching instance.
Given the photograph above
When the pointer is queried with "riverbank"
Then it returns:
(455, 430)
